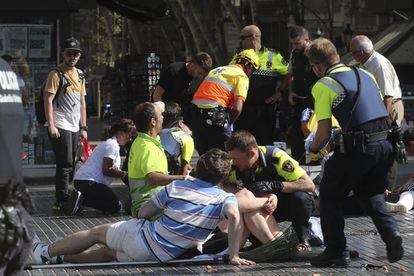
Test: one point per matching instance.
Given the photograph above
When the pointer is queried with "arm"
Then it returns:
(303, 184)
(48, 102)
(147, 210)
(108, 168)
(322, 136)
(84, 133)
(157, 94)
(388, 105)
(161, 179)
(235, 231)
(236, 109)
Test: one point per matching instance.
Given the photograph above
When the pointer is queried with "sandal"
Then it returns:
(304, 247)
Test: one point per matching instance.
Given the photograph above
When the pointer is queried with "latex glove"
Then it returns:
(267, 187)
(309, 141)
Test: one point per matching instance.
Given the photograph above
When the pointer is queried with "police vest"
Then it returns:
(303, 76)
(369, 105)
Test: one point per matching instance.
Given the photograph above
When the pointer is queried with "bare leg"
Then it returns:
(262, 226)
(103, 254)
(80, 241)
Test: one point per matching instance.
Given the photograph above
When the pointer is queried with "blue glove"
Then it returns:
(309, 141)
(306, 114)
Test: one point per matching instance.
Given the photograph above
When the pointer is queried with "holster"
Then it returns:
(217, 116)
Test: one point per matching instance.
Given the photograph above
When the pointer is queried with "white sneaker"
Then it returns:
(39, 252)
(396, 208)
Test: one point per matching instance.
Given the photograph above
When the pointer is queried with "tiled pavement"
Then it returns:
(360, 231)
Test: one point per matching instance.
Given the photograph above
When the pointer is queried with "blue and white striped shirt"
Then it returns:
(192, 210)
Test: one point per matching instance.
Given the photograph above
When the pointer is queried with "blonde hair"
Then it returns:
(322, 51)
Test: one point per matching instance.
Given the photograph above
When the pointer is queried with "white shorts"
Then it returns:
(124, 237)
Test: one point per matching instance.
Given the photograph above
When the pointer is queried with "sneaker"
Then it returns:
(39, 253)
(395, 251)
(56, 207)
(72, 206)
(325, 260)
(396, 208)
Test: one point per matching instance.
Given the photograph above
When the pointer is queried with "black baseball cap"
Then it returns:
(71, 44)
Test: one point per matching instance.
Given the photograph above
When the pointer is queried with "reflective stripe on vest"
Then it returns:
(268, 71)
(337, 88)
(205, 103)
(220, 82)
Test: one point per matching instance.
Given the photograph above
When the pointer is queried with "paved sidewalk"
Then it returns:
(360, 231)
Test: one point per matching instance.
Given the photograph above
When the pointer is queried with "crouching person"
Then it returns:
(191, 210)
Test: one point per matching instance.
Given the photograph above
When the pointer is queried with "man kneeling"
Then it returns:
(190, 211)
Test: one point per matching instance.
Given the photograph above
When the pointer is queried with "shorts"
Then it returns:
(125, 238)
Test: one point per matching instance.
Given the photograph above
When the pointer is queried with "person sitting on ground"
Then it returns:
(269, 170)
(406, 191)
(93, 178)
(182, 223)
(147, 163)
(176, 140)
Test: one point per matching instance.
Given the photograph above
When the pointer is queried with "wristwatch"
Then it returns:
(85, 128)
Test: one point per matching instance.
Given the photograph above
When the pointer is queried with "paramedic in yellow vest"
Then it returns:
(147, 163)
(265, 89)
(219, 100)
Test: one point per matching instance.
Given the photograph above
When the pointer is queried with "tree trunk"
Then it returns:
(197, 38)
(134, 32)
(108, 23)
(229, 8)
(181, 25)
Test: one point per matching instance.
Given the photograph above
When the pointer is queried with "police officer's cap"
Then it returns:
(71, 44)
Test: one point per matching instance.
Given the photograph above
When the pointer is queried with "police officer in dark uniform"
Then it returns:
(265, 89)
(16, 225)
(301, 79)
(362, 157)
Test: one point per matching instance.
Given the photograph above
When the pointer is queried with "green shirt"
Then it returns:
(146, 156)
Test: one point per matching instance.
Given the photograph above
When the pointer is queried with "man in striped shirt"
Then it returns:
(190, 211)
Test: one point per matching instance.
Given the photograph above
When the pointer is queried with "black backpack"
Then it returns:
(63, 84)
(39, 103)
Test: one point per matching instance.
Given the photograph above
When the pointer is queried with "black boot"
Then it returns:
(395, 250)
(326, 260)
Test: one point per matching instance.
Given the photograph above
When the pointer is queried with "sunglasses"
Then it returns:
(243, 37)
(72, 53)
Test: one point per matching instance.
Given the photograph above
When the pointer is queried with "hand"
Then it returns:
(271, 204)
(291, 98)
(84, 134)
(236, 260)
(309, 141)
(54, 132)
(267, 187)
(274, 98)
(186, 169)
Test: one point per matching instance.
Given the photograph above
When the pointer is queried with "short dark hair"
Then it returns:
(298, 31)
(142, 116)
(7, 58)
(214, 166)
(408, 136)
(241, 140)
(124, 125)
(203, 60)
(172, 114)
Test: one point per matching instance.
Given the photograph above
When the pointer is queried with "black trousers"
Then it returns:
(19, 254)
(97, 196)
(365, 174)
(64, 148)
(297, 208)
(259, 121)
(207, 136)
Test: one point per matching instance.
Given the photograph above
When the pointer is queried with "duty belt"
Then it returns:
(356, 138)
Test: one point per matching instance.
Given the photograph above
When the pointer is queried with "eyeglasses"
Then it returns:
(72, 53)
(243, 37)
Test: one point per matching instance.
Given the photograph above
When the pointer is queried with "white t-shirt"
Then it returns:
(92, 169)
(385, 74)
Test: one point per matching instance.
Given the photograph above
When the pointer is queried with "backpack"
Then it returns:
(63, 84)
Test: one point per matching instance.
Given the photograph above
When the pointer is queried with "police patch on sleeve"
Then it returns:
(288, 166)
